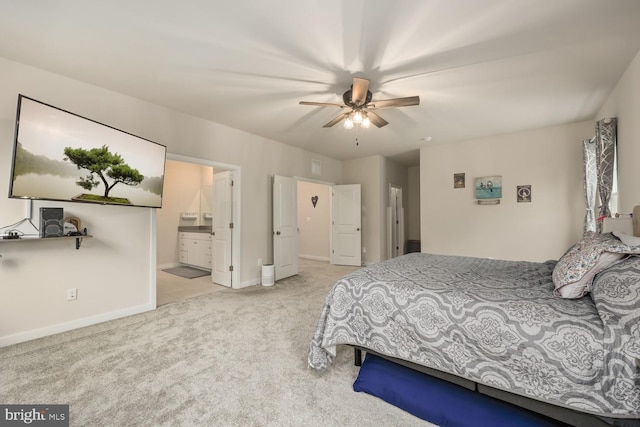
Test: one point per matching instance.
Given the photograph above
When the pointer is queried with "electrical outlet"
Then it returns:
(72, 294)
(259, 262)
(364, 250)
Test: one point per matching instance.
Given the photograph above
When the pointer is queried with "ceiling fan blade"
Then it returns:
(322, 104)
(359, 90)
(336, 119)
(397, 102)
(376, 119)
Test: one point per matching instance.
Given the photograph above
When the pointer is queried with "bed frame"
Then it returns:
(564, 415)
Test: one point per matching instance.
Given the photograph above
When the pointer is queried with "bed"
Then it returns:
(559, 337)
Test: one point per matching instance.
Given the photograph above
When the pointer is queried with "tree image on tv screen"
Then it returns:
(104, 167)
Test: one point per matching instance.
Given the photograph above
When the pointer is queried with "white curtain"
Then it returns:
(599, 157)
(590, 183)
(605, 158)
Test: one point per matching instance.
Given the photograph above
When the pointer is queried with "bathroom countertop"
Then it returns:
(195, 228)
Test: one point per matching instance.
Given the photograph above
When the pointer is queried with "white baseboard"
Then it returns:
(314, 257)
(74, 324)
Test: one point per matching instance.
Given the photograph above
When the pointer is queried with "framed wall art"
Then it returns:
(523, 194)
(489, 190)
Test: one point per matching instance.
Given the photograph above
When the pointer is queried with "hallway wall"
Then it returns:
(314, 222)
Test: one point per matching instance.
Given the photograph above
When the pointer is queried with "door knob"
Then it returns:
(357, 229)
(277, 233)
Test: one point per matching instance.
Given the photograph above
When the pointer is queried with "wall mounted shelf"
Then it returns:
(39, 239)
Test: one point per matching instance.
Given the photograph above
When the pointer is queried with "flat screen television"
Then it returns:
(58, 155)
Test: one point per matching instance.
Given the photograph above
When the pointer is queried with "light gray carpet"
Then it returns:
(228, 358)
(187, 272)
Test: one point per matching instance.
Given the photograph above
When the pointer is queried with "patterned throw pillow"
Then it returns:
(574, 272)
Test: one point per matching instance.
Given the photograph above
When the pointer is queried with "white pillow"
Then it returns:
(626, 239)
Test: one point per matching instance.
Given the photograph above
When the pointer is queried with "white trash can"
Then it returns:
(268, 275)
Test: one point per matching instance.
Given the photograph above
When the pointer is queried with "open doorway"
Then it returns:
(301, 224)
(335, 235)
(301, 218)
(329, 222)
(189, 217)
(395, 222)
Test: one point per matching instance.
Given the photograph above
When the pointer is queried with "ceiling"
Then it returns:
(480, 67)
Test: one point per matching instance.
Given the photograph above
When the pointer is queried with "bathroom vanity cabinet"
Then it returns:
(195, 248)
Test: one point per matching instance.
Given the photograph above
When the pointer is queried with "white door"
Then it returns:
(285, 227)
(346, 235)
(222, 227)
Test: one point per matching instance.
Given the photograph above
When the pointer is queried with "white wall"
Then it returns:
(206, 194)
(115, 271)
(549, 159)
(314, 222)
(624, 103)
(413, 204)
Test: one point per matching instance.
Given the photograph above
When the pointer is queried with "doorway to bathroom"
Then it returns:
(201, 206)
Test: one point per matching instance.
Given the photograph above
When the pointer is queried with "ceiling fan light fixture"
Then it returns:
(348, 123)
(359, 104)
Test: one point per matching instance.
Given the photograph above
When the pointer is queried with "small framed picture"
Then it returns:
(489, 187)
(523, 194)
(458, 180)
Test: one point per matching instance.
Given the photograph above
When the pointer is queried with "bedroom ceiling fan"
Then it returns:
(358, 106)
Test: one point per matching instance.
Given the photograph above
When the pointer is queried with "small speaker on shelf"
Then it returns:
(51, 222)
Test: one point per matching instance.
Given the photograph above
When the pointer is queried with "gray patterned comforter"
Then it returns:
(497, 323)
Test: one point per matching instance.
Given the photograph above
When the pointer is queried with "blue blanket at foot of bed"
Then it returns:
(439, 401)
